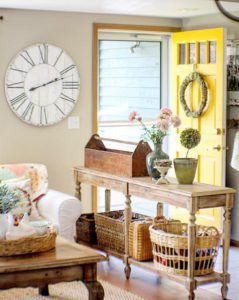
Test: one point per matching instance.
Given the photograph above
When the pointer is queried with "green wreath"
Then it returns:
(204, 94)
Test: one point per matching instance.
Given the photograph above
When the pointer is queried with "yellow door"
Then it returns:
(203, 50)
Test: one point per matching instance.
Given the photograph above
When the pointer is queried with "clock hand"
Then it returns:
(34, 88)
(49, 82)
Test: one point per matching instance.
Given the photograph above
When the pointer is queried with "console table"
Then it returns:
(191, 197)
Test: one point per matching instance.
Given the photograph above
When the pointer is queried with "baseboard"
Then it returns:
(235, 243)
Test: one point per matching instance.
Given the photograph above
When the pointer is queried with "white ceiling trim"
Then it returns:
(151, 8)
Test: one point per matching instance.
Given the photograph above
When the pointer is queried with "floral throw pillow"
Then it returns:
(36, 172)
(22, 189)
(23, 206)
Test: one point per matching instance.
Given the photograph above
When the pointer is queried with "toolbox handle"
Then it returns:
(116, 141)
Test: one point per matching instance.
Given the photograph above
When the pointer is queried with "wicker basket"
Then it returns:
(111, 234)
(28, 245)
(140, 246)
(85, 229)
(170, 247)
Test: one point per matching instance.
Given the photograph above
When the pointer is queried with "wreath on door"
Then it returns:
(204, 94)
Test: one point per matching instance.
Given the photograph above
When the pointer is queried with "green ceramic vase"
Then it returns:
(157, 153)
(185, 169)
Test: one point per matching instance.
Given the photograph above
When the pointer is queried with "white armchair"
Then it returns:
(59, 208)
(62, 210)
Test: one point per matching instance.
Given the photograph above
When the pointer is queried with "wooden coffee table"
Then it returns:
(67, 262)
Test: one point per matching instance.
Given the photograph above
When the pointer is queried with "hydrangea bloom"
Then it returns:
(134, 116)
(163, 125)
(165, 113)
(157, 131)
(175, 121)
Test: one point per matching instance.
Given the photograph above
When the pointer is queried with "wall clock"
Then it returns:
(224, 11)
(42, 84)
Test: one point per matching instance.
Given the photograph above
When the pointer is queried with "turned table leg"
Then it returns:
(77, 187)
(191, 283)
(128, 216)
(226, 245)
(43, 290)
(159, 209)
(95, 289)
(107, 209)
(107, 200)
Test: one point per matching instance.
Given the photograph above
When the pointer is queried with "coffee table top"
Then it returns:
(65, 254)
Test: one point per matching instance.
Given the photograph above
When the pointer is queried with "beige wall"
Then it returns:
(210, 21)
(232, 176)
(56, 146)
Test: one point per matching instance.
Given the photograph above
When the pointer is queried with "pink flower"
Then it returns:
(175, 121)
(163, 124)
(134, 116)
(165, 113)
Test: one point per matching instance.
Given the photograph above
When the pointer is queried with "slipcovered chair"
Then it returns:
(61, 209)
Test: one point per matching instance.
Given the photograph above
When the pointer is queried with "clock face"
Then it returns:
(42, 85)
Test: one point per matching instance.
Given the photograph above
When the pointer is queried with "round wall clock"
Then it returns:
(226, 12)
(42, 85)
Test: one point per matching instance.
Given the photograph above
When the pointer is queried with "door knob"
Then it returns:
(217, 148)
(217, 131)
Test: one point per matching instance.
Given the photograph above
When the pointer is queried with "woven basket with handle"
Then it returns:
(170, 247)
(26, 245)
(110, 230)
(140, 246)
(85, 229)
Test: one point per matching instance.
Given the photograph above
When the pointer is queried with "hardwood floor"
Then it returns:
(233, 293)
(145, 283)
(149, 285)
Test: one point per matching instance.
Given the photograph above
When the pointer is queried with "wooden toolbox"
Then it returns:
(117, 162)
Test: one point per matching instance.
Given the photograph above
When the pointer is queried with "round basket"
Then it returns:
(28, 244)
(170, 248)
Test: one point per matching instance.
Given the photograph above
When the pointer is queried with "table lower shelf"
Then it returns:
(149, 265)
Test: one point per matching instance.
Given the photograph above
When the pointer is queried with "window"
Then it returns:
(130, 78)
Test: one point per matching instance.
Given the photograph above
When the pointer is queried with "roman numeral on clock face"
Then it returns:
(73, 85)
(19, 99)
(43, 49)
(43, 117)
(16, 85)
(59, 109)
(28, 111)
(67, 98)
(58, 57)
(26, 56)
(18, 70)
(67, 69)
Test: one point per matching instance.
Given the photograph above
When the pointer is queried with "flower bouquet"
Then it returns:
(156, 133)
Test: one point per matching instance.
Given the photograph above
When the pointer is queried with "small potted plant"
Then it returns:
(8, 201)
(185, 168)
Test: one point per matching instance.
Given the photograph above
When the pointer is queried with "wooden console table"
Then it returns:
(191, 197)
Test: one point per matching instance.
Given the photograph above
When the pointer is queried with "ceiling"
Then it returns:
(156, 8)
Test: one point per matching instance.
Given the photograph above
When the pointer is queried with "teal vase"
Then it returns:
(156, 154)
